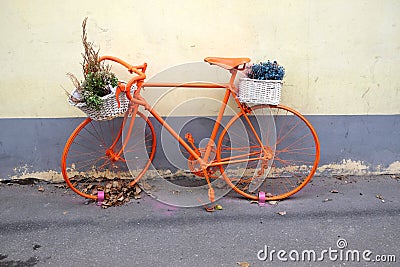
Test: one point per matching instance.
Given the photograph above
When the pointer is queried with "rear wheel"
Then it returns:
(295, 147)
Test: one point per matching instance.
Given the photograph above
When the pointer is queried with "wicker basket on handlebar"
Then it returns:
(109, 108)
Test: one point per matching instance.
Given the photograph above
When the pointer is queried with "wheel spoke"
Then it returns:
(91, 154)
(290, 137)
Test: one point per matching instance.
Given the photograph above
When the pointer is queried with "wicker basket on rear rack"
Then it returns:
(253, 91)
(109, 108)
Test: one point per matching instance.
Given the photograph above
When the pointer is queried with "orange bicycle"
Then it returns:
(263, 152)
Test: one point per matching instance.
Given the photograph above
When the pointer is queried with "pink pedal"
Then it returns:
(100, 198)
(261, 199)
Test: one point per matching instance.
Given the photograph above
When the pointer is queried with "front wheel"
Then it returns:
(92, 156)
(296, 153)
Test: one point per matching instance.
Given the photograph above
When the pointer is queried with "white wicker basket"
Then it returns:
(109, 108)
(260, 91)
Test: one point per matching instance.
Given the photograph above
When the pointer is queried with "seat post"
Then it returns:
(233, 77)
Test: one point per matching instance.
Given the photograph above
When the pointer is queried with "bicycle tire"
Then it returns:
(295, 160)
(88, 162)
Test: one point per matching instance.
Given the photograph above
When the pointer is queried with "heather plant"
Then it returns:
(265, 71)
(98, 77)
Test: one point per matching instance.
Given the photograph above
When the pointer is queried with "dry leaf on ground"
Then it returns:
(380, 197)
(116, 192)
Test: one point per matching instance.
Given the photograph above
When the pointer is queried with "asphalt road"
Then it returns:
(360, 217)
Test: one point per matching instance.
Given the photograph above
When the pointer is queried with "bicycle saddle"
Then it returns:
(228, 63)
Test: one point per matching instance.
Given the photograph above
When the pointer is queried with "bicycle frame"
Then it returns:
(137, 100)
(291, 173)
(230, 91)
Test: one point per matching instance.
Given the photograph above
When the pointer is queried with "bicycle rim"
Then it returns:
(92, 158)
(295, 160)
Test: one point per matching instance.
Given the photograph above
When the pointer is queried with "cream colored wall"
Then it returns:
(341, 57)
